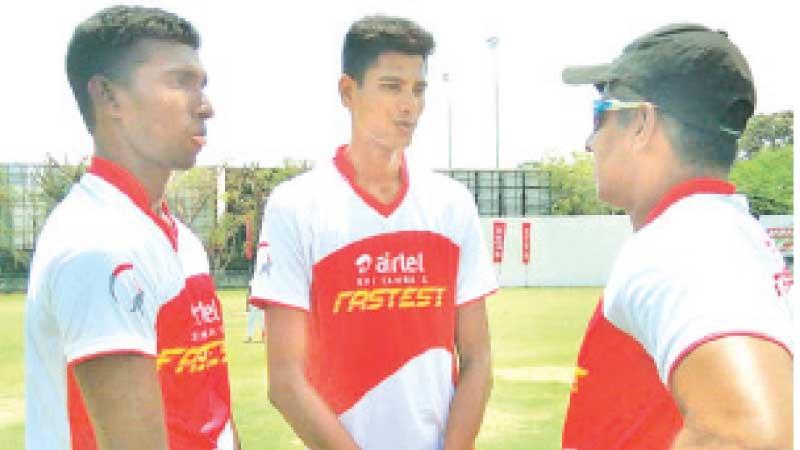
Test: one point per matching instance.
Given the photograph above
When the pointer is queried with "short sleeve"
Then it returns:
(101, 306)
(673, 309)
(476, 276)
(282, 271)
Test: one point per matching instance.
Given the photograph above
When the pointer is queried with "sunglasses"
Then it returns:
(610, 104)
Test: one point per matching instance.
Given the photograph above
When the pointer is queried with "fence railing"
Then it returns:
(18, 282)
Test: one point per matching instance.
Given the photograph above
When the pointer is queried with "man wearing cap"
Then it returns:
(690, 345)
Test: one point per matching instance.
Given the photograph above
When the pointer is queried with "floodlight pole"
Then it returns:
(446, 79)
(493, 42)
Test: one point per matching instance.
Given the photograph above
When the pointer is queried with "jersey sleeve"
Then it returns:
(476, 276)
(282, 271)
(672, 309)
(100, 307)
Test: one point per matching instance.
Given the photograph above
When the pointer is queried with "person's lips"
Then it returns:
(199, 138)
(405, 124)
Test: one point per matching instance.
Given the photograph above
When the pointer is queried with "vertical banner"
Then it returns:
(526, 243)
(498, 240)
(248, 239)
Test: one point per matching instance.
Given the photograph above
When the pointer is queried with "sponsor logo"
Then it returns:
(193, 359)
(265, 267)
(387, 263)
(125, 289)
(783, 282)
(364, 262)
(389, 298)
(205, 313)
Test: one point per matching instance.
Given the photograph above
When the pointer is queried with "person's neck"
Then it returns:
(153, 179)
(377, 169)
(657, 184)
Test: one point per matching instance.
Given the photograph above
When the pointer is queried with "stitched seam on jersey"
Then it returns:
(715, 336)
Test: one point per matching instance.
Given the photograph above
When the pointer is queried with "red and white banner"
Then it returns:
(498, 240)
(784, 239)
(526, 243)
(248, 239)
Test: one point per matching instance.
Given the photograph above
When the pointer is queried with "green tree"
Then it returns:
(573, 185)
(192, 196)
(56, 178)
(767, 130)
(7, 259)
(766, 180)
(246, 191)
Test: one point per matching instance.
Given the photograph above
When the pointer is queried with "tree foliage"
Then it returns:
(193, 198)
(766, 180)
(246, 191)
(56, 179)
(573, 185)
(767, 131)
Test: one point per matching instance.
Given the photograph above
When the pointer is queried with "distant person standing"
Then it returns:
(690, 346)
(374, 273)
(255, 317)
(124, 340)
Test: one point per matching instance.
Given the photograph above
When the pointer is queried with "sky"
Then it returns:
(273, 70)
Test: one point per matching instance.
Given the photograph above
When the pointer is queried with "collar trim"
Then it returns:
(349, 173)
(687, 188)
(127, 183)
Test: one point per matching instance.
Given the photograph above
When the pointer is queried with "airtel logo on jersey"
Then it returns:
(205, 313)
(387, 263)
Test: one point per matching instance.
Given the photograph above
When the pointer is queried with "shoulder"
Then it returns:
(299, 191)
(698, 230)
(704, 240)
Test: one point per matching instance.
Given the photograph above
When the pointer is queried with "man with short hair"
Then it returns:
(690, 345)
(374, 273)
(124, 334)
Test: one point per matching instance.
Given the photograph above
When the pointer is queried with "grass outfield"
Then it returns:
(535, 337)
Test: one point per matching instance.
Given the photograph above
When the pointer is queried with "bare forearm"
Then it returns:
(123, 399)
(309, 416)
(469, 404)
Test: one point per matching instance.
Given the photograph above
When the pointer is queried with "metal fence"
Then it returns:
(507, 192)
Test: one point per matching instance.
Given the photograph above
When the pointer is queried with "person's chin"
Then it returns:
(186, 163)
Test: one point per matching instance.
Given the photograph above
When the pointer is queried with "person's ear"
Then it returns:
(644, 126)
(347, 86)
(103, 94)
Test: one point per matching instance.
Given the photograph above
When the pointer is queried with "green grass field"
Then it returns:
(535, 337)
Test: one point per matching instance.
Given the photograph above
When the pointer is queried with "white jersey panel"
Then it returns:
(377, 419)
(701, 270)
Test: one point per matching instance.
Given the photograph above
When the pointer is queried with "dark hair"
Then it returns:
(700, 147)
(695, 146)
(102, 43)
(372, 36)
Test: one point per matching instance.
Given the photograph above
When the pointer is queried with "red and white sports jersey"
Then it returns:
(381, 284)
(701, 269)
(111, 277)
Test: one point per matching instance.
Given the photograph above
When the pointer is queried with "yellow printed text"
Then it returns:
(389, 298)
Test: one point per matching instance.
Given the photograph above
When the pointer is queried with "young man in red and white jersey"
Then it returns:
(690, 345)
(124, 335)
(374, 273)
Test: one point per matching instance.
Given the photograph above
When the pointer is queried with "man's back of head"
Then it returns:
(698, 80)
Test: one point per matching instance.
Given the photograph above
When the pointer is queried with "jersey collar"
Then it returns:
(349, 173)
(687, 188)
(131, 187)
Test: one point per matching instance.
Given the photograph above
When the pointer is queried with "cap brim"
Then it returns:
(577, 75)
